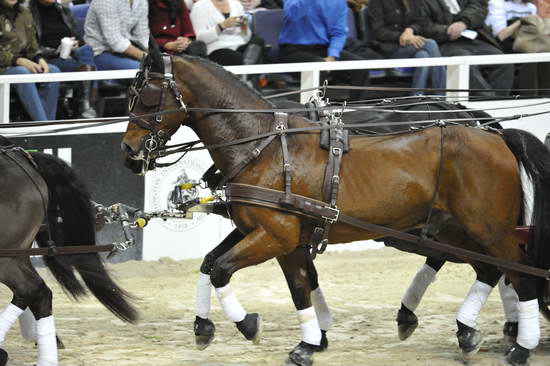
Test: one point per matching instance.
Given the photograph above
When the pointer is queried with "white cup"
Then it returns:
(66, 47)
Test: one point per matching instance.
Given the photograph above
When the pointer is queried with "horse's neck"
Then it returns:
(219, 128)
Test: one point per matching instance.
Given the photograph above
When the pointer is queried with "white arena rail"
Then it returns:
(457, 72)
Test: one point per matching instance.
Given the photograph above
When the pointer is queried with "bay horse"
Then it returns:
(475, 166)
(33, 188)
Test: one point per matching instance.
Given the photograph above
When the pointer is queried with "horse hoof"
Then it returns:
(510, 332)
(469, 340)
(204, 332)
(302, 354)
(516, 355)
(60, 344)
(3, 357)
(324, 341)
(407, 322)
(251, 327)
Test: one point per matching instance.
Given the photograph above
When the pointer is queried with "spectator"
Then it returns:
(252, 5)
(172, 29)
(221, 24)
(118, 32)
(316, 31)
(459, 28)
(53, 23)
(504, 20)
(20, 54)
(395, 28)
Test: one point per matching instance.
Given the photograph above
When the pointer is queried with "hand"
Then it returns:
(29, 65)
(417, 41)
(406, 36)
(231, 22)
(44, 66)
(250, 4)
(75, 43)
(179, 45)
(330, 59)
(455, 29)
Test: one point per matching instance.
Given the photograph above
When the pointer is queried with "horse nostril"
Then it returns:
(126, 148)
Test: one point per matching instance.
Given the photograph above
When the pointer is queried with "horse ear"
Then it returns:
(155, 57)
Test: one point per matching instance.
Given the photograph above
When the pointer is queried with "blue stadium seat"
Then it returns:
(79, 16)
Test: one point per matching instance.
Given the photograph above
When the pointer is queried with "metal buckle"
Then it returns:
(280, 127)
(336, 150)
(332, 220)
(256, 152)
(286, 167)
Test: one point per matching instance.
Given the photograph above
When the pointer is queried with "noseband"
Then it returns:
(150, 96)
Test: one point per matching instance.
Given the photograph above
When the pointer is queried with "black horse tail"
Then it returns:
(534, 156)
(71, 221)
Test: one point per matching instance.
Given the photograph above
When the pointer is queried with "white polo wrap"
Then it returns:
(27, 326)
(232, 309)
(311, 333)
(529, 327)
(423, 278)
(47, 345)
(321, 309)
(476, 298)
(7, 318)
(202, 301)
(510, 301)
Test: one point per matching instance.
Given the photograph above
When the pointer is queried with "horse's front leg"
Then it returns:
(259, 245)
(203, 327)
(313, 313)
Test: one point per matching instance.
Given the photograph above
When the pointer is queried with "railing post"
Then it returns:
(4, 103)
(458, 77)
(309, 79)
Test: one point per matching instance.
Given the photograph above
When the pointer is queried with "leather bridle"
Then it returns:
(150, 95)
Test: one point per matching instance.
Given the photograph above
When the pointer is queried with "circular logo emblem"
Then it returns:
(166, 194)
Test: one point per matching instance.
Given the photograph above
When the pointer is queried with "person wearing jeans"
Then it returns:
(118, 31)
(54, 22)
(20, 55)
(395, 28)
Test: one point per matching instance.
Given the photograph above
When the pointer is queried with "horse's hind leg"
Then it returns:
(27, 326)
(407, 322)
(29, 290)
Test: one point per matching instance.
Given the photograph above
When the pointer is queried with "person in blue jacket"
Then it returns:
(316, 31)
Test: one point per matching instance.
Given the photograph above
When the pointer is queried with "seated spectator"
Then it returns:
(20, 54)
(504, 19)
(253, 5)
(172, 29)
(118, 32)
(221, 24)
(395, 28)
(53, 23)
(459, 28)
(316, 31)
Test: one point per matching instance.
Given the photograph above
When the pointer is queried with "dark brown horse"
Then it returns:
(31, 187)
(388, 180)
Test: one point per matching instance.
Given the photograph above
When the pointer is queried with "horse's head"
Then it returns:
(156, 108)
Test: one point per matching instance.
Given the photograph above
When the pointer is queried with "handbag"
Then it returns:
(533, 35)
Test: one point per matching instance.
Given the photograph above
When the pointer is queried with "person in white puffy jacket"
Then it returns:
(222, 25)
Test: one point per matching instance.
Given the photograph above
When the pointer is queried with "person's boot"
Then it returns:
(252, 54)
(86, 108)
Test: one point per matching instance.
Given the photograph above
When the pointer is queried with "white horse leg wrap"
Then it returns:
(418, 286)
(321, 309)
(476, 298)
(529, 328)
(311, 333)
(47, 345)
(7, 318)
(510, 300)
(232, 309)
(27, 324)
(202, 301)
